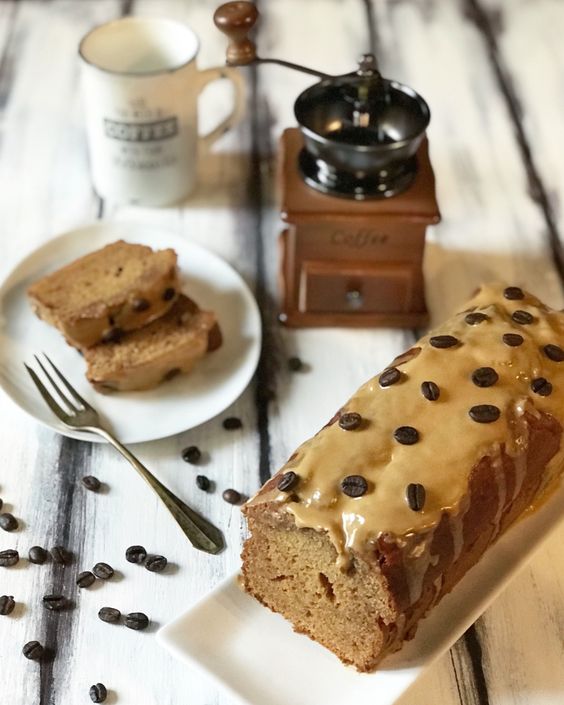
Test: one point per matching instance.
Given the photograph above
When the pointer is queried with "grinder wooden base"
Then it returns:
(351, 263)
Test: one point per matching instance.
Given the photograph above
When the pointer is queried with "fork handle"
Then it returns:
(201, 533)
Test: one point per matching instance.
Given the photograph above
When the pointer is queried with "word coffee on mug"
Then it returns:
(141, 87)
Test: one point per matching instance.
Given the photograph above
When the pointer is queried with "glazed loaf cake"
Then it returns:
(98, 297)
(144, 358)
(373, 520)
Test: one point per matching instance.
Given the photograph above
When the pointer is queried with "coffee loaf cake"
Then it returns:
(144, 358)
(98, 297)
(374, 519)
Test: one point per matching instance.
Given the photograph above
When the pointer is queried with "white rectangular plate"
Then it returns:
(254, 655)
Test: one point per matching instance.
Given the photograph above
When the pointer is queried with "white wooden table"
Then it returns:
(493, 73)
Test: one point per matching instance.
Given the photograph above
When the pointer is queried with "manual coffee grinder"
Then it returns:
(357, 192)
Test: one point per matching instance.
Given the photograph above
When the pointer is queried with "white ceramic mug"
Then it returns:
(141, 88)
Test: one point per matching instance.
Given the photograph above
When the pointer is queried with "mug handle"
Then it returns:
(207, 76)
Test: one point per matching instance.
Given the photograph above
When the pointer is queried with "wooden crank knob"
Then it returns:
(236, 20)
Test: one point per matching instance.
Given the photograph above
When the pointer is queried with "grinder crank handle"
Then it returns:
(236, 20)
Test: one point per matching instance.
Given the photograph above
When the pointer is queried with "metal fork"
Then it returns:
(79, 415)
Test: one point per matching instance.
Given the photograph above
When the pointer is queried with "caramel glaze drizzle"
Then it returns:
(450, 441)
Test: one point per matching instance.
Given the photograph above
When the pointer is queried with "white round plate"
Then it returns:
(178, 405)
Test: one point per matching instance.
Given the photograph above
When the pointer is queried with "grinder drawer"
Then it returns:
(327, 287)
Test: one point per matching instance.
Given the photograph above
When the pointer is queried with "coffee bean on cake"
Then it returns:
(288, 481)
(524, 318)
(513, 339)
(389, 376)
(443, 341)
(415, 496)
(350, 421)
(475, 317)
(554, 353)
(430, 391)
(406, 435)
(354, 486)
(484, 413)
(541, 386)
(484, 377)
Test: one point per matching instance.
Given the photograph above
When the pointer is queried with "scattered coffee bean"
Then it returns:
(37, 555)
(139, 305)
(156, 564)
(113, 335)
(389, 376)
(91, 483)
(475, 317)
(443, 341)
(135, 554)
(415, 496)
(553, 352)
(33, 650)
(406, 435)
(231, 496)
(354, 486)
(9, 557)
(541, 386)
(232, 423)
(85, 579)
(103, 571)
(430, 391)
(55, 603)
(513, 339)
(8, 522)
(203, 483)
(61, 556)
(109, 614)
(287, 481)
(98, 693)
(168, 294)
(484, 413)
(513, 293)
(295, 364)
(484, 377)
(137, 621)
(7, 604)
(522, 317)
(192, 455)
(350, 421)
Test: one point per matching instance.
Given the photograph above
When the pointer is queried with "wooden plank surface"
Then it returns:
(493, 137)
